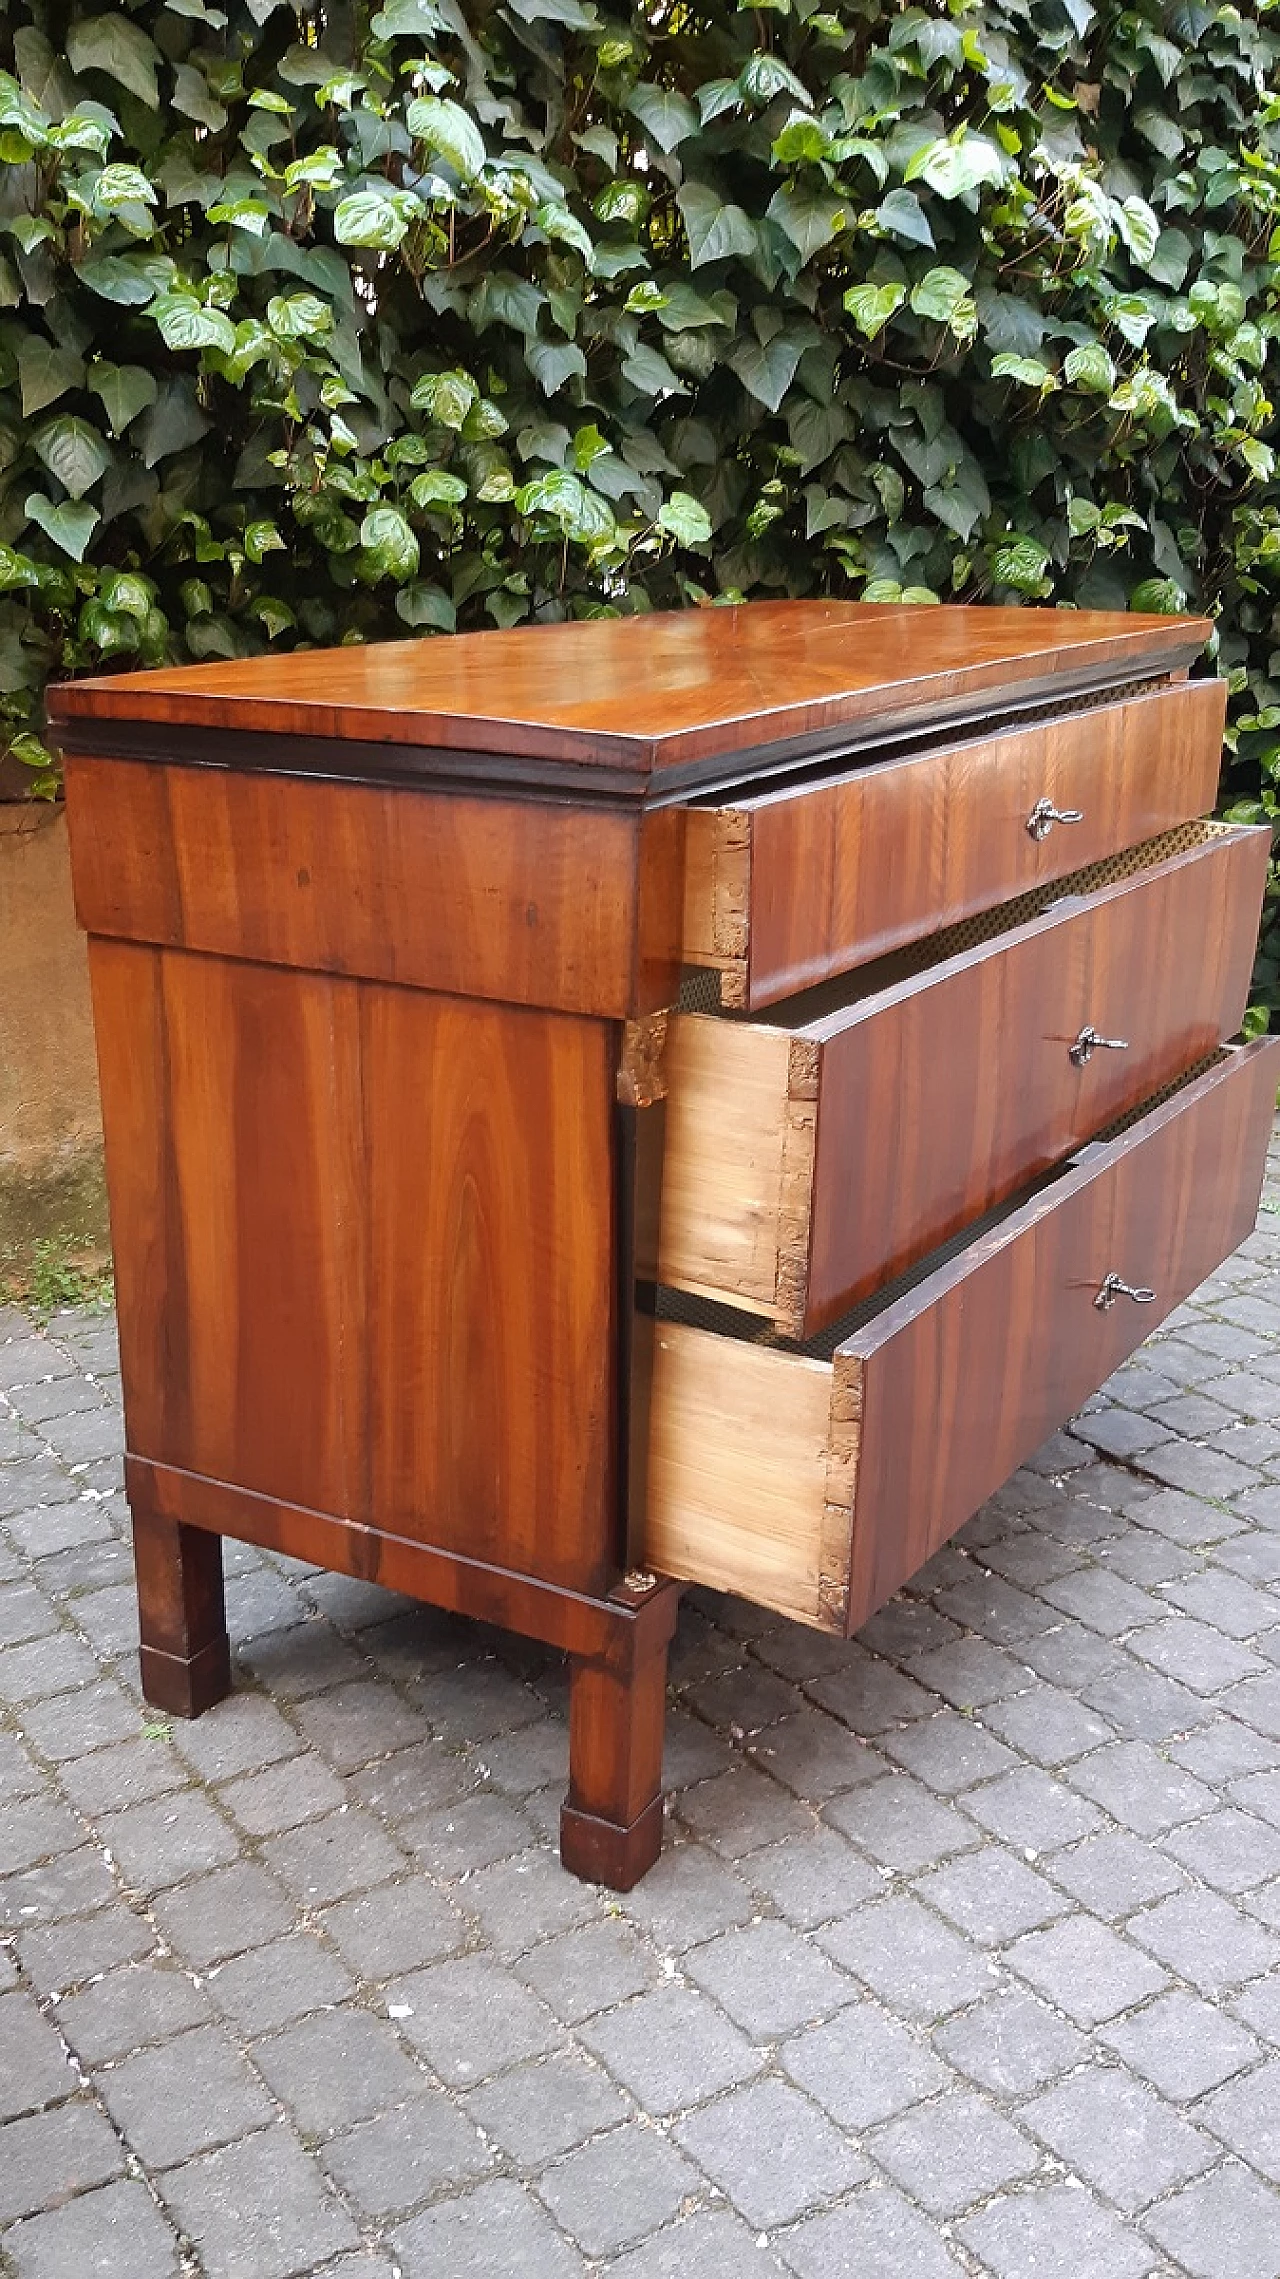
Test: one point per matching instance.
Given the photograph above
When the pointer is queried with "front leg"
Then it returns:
(185, 1654)
(611, 1820)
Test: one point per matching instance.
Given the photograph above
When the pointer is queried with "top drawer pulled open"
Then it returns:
(786, 887)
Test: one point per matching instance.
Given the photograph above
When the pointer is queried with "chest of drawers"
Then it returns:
(685, 1099)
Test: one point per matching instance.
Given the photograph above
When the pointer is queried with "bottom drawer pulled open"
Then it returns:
(818, 1479)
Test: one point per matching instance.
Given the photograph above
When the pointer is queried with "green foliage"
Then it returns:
(317, 325)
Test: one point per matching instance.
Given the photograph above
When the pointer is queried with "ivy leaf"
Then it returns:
(186, 323)
(449, 131)
(715, 231)
(45, 372)
(815, 430)
(420, 605)
(766, 368)
(70, 525)
(871, 306)
(375, 217)
(1090, 368)
(1139, 229)
(500, 298)
(810, 215)
(902, 215)
(650, 373)
(118, 48)
(1020, 564)
(299, 316)
(685, 519)
(1158, 597)
(554, 362)
(667, 118)
(943, 296)
(763, 77)
(446, 397)
(407, 20)
(119, 186)
(1028, 371)
(193, 98)
(437, 488)
(73, 451)
(391, 543)
(564, 228)
(955, 169)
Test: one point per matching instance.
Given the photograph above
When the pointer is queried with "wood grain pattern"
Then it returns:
(789, 887)
(789, 1191)
(185, 1653)
(1001, 1346)
(648, 693)
(528, 901)
(818, 1488)
(364, 1250)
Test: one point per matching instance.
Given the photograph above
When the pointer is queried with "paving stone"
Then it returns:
(223, 1914)
(469, 2019)
(904, 1627)
(194, 2092)
(1201, 1471)
(388, 2165)
(1224, 2226)
(1102, 1601)
(815, 1756)
(1186, 1519)
(1010, 2043)
(992, 1896)
(1056, 2230)
(51, 1665)
(1257, 1702)
(1144, 1705)
(475, 1703)
(537, 2111)
(67, 1886)
(671, 2048)
(996, 1608)
(862, 2067)
(1207, 1941)
(771, 2153)
(1227, 1751)
(337, 2068)
(24, 1613)
(18, 1776)
(33, 2064)
(1086, 1969)
(619, 2187)
(39, 1828)
(1231, 1851)
(950, 1752)
(144, 2002)
(1139, 1787)
(688, 1896)
(168, 1840)
(1195, 1654)
(1120, 2137)
(1032, 1810)
(1071, 1657)
(53, 2155)
(353, 1723)
(258, 2208)
(522, 1900)
(954, 2151)
(1182, 2045)
(1259, 2006)
(1246, 2116)
(899, 1823)
(72, 1724)
(284, 1796)
(273, 1985)
(906, 1956)
(1120, 1432)
(812, 1879)
(427, 1775)
(117, 2233)
(115, 1779)
(328, 1859)
(768, 1980)
(875, 2235)
(398, 1927)
(67, 1955)
(1112, 1875)
(1045, 1725)
(589, 1970)
(870, 1696)
(489, 2234)
(740, 1811)
(713, 2243)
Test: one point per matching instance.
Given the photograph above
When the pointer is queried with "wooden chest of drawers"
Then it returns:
(678, 1099)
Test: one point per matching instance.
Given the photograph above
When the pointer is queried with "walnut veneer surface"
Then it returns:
(455, 1251)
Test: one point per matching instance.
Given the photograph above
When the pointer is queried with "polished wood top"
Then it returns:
(642, 694)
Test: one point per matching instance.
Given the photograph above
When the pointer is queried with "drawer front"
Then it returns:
(784, 890)
(819, 1487)
(805, 1168)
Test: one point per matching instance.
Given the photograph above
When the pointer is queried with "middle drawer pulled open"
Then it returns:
(811, 1157)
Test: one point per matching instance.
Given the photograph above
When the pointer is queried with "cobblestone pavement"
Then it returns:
(962, 1956)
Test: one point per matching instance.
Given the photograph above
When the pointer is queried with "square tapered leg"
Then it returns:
(185, 1653)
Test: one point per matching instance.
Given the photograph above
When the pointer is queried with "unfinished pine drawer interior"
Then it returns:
(816, 1481)
(816, 1152)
